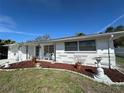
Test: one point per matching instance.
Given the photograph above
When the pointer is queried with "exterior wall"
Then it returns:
(87, 57)
(12, 52)
(31, 52)
(19, 53)
(71, 57)
(22, 53)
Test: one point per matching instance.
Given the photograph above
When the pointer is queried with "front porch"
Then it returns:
(25, 52)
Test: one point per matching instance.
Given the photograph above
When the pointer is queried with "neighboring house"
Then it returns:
(69, 50)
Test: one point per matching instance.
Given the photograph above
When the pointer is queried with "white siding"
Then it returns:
(31, 51)
(12, 52)
(22, 53)
(87, 57)
(17, 53)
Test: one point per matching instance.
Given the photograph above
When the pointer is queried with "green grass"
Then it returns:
(51, 81)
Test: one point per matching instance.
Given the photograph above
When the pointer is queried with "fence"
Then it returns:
(119, 52)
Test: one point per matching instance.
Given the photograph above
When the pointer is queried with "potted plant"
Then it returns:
(34, 60)
(78, 65)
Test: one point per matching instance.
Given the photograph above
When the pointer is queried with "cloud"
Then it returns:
(8, 25)
(6, 21)
(7, 30)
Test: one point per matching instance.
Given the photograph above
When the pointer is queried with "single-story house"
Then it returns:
(69, 49)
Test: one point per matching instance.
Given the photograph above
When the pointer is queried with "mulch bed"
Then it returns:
(113, 74)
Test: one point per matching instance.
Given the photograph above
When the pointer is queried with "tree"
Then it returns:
(109, 29)
(119, 28)
(80, 34)
(4, 42)
(119, 41)
(42, 38)
(0, 42)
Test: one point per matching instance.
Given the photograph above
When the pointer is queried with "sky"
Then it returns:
(23, 20)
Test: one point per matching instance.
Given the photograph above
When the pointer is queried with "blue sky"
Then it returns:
(23, 20)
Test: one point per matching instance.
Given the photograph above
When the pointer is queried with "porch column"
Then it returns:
(34, 51)
(41, 52)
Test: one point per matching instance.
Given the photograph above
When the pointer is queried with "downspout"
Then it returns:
(109, 56)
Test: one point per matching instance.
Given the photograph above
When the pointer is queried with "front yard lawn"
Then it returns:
(51, 81)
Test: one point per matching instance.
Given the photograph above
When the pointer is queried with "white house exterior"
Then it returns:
(69, 50)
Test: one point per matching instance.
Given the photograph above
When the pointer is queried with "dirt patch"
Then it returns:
(115, 75)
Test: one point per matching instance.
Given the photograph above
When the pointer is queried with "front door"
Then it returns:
(49, 51)
(37, 51)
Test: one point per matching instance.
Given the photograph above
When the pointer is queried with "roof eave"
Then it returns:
(105, 35)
